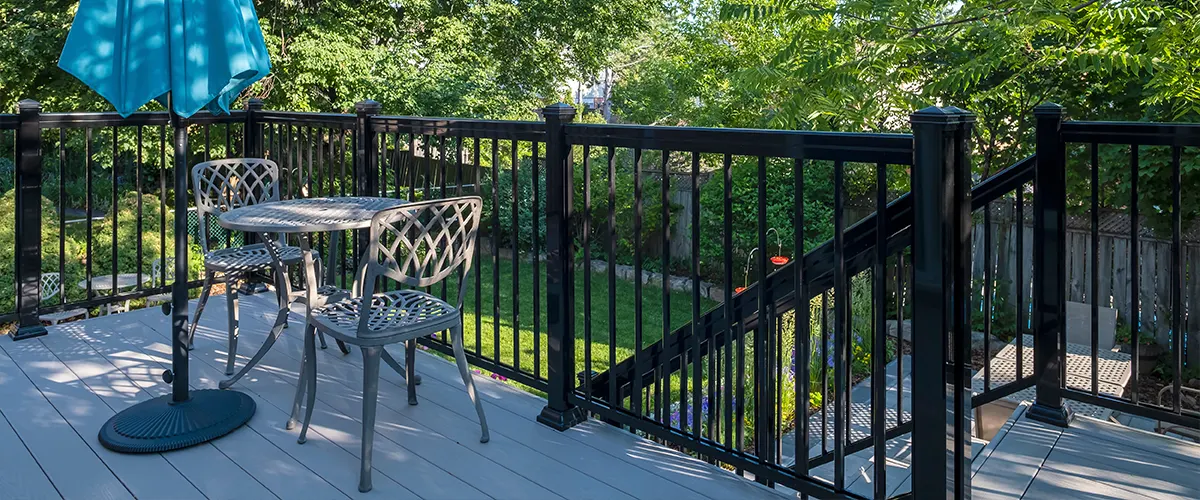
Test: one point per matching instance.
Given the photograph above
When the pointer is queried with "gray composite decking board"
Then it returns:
(322, 455)
(1143, 477)
(631, 474)
(339, 387)
(1139, 439)
(65, 458)
(144, 475)
(213, 473)
(1011, 466)
(23, 478)
(256, 447)
(632, 480)
(339, 399)
(1143, 464)
(1052, 483)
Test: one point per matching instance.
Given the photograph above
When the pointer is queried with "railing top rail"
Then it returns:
(812, 145)
(332, 120)
(1139, 133)
(487, 129)
(148, 118)
(8, 121)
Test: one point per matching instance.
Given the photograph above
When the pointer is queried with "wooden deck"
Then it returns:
(1092, 459)
(56, 391)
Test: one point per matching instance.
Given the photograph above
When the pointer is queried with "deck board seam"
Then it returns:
(68, 422)
(265, 438)
(566, 434)
(314, 430)
(342, 383)
(149, 359)
(152, 359)
(81, 380)
(30, 452)
(1042, 464)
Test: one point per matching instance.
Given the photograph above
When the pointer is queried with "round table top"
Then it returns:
(307, 215)
(105, 282)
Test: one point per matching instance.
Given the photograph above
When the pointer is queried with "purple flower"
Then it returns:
(499, 377)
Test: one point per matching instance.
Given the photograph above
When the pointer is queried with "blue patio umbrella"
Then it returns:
(202, 52)
(192, 54)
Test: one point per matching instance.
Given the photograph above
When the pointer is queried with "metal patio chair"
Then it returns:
(220, 186)
(156, 280)
(51, 286)
(415, 245)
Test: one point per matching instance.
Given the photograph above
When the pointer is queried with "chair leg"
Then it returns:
(387, 358)
(204, 292)
(460, 356)
(371, 357)
(310, 373)
(231, 301)
(410, 370)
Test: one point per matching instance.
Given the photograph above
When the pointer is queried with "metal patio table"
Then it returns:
(302, 217)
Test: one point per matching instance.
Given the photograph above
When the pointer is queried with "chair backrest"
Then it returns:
(157, 278)
(223, 185)
(51, 285)
(420, 244)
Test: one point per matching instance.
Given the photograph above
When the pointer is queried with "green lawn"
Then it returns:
(622, 336)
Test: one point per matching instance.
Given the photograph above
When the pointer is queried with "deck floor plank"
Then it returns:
(340, 383)
(23, 478)
(65, 457)
(206, 467)
(254, 447)
(401, 451)
(683, 475)
(321, 459)
(71, 390)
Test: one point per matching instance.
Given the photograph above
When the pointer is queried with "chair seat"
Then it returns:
(249, 258)
(159, 298)
(394, 316)
(55, 317)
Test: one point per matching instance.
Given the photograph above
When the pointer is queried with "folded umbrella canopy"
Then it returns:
(193, 54)
(203, 52)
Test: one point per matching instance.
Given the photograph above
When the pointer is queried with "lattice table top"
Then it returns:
(105, 282)
(307, 215)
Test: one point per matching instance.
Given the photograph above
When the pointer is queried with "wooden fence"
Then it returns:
(1115, 274)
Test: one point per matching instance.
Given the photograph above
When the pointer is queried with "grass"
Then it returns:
(516, 319)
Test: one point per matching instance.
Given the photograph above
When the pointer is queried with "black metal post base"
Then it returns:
(1060, 417)
(29, 332)
(160, 424)
(561, 420)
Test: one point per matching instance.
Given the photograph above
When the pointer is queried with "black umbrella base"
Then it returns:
(160, 425)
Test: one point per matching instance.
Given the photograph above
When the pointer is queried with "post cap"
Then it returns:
(934, 115)
(28, 105)
(1048, 110)
(368, 107)
(559, 110)
(254, 104)
(964, 116)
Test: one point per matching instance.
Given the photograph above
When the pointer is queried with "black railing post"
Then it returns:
(253, 129)
(29, 220)
(366, 159)
(941, 235)
(1049, 266)
(559, 412)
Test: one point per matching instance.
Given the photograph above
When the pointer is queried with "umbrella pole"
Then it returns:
(179, 292)
(183, 418)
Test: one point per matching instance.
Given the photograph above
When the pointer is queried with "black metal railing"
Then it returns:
(1153, 304)
(607, 275)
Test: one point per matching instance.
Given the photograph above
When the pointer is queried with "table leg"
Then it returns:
(335, 241)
